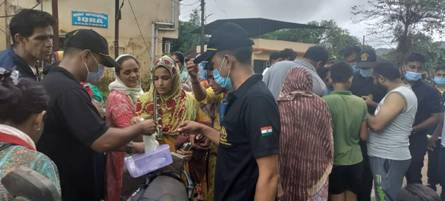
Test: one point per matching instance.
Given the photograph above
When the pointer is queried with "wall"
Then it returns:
(263, 47)
(131, 40)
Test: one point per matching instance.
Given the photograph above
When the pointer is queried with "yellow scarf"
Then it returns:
(173, 108)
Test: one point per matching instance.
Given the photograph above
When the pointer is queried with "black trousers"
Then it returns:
(364, 193)
(418, 147)
(433, 162)
(441, 172)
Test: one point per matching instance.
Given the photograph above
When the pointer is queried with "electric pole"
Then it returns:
(117, 17)
(364, 40)
(55, 12)
(201, 38)
(8, 39)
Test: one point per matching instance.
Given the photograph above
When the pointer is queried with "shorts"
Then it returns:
(346, 178)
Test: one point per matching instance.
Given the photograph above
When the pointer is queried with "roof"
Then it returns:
(277, 45)
(256, 26)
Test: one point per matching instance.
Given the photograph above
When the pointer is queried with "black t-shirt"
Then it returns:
(428, 102)
(251, 128)
(72, 124)
(364, 86)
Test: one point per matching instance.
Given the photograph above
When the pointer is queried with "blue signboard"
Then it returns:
(89, 19)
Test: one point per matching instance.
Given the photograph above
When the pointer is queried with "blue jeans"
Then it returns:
(441, 171)
(388, 177)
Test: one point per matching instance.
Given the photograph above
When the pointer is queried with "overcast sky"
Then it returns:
(299, 11)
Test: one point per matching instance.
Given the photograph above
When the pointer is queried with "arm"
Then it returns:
(393, 106)
(364, 131)
(428, 123)
(369, 101)
(198, 91)
(115, 138)
(435, 136)
(262, 120)
(439, 127)
(433, 106)
(267, 183)
(191, 127)
(87, 127)
(212, 134)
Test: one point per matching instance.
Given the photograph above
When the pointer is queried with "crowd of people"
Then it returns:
(309, 128)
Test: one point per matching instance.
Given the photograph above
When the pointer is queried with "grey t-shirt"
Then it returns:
(277, 74)
(393, 142)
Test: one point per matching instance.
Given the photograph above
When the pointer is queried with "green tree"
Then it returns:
(330, 36)
(405, 19)
(297, 35)
(187, 40)
(433, 51)
(336, 39)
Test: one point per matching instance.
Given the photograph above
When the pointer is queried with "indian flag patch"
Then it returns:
(266, 131)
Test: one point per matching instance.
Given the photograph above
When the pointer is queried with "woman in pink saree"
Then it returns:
(124, 92)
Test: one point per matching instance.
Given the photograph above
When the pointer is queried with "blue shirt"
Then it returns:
(11, 61)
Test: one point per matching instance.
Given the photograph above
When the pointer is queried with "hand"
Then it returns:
(432, 142)
(187, 154)
(136, 120)
(190, 127)
(369, 100)
(192, 68)
(148, 127)
(138, 147)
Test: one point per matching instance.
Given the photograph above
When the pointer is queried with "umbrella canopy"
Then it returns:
(256, 26)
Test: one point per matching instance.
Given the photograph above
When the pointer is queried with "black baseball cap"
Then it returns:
(229, 36)
(367, 59)
(89, 39)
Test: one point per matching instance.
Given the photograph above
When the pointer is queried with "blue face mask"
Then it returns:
(366, 72)
(439, 80)
(93, 77)
(224, 82)
(413, 76)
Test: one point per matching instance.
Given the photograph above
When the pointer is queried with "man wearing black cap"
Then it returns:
(363, 86)
(247, 164)
(74, 130)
